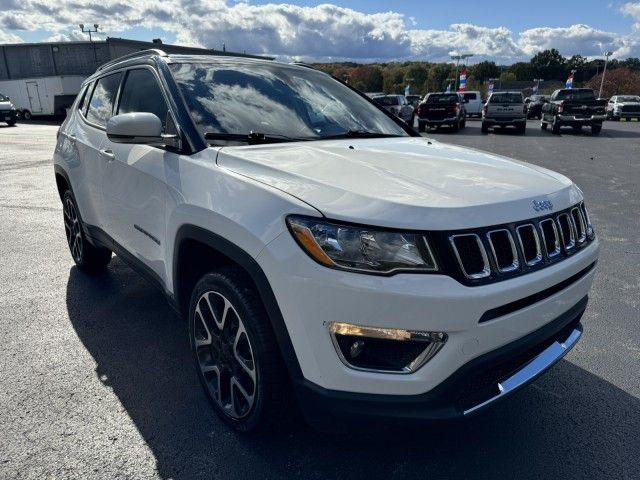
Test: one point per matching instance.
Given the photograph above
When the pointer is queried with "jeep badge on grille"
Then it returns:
(542, 205)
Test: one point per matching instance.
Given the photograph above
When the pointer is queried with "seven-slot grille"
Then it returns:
(497, 253)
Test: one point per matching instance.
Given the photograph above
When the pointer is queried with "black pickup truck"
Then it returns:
(442, 108)
(573, 107)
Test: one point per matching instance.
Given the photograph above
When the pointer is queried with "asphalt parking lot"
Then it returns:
(96, 380)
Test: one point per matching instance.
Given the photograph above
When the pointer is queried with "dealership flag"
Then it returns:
(463, 80)
(569, 83)
(490, 87)
(449, 88)
(407, 90)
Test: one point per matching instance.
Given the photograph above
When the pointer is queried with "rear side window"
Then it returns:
(446, 99)
(101, 104)
(82, 103)
(470, 96)
(142, 93)
(387, 101)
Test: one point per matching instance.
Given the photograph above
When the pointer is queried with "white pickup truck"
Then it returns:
(504, 109)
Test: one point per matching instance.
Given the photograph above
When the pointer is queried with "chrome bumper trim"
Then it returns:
(552, 354)
(573, 118)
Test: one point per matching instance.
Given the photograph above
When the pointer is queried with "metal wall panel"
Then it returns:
(25, 61)
(4, 75)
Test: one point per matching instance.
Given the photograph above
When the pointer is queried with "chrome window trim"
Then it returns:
(486, 271)
(515, 264)
(538, 257)
(558, 248)
(571, 244)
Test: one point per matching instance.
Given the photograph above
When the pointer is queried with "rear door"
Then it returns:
(134, 184)
(35, 105)
(89, 137)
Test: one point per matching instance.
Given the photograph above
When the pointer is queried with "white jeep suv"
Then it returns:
(324, 253)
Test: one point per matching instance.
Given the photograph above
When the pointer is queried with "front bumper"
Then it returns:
(311, 296)
(626, 114)
(473, 387)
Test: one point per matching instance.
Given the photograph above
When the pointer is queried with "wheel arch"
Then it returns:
(213, 251)
(62, 181)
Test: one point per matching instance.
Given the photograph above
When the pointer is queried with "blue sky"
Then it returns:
(373, 30)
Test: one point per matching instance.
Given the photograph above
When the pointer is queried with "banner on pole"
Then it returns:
(463, 80)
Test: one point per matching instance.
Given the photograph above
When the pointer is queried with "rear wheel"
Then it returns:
(26, 114)
(484, 128)
(463, 124)
(238, 360)
(420, 126)
(521, 129)
(543, 125)
(87, 257)
(11, 123)
(595, 129)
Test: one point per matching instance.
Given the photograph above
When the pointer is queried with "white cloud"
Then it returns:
(323, 32)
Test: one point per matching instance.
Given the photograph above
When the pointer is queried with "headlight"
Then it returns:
(364, 249)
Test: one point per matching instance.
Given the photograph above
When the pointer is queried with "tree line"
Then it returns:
(548, 65)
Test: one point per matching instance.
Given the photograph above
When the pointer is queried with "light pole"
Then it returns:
(457, 58)
(89, 30)
(604, 72)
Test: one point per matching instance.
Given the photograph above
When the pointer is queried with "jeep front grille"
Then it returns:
(503, 251)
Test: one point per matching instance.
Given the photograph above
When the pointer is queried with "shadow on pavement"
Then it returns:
(569, 424)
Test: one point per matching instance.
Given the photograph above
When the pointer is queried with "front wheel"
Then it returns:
(596, 129)
(484, 128)
(11, 123)
(235, 350)
(555, 126)
(87, 257)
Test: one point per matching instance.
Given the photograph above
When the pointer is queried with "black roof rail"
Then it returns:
(142, 53)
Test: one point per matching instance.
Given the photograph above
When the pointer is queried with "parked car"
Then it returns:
(442, 108)
(534, 105)
(414, 100)
(573, 107)
(339, 261)
(397, 105)
(504, 109)
(623, 106)
(7, 111)
(473, 103)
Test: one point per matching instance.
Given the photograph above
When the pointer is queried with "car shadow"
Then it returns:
(568, 424)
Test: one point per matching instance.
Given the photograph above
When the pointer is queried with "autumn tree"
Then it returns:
(620, 81)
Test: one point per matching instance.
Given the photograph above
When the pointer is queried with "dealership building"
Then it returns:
(44, 78)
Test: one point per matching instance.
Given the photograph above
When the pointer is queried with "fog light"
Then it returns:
(388, 350)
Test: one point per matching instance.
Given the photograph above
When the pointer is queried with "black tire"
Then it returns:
(420, 126)
(455, 127)
(543, 125)
(246, 335)
(596, 129)
(463, 124)
(577, 128)
(484, 128)
(555, 126)
(521, 129)
(87, 257)
(412, 122)
(11, 123)
(26, 115)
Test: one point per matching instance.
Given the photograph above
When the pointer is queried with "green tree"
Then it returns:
(416, 75)
(483, 71)
(522, 71)
(436, 79)
(393, 79)
(367, 78)
(550, 65)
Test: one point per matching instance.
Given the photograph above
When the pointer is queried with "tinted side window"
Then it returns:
(84, 97)
(470, 96)
(141, 93)
(104, 94)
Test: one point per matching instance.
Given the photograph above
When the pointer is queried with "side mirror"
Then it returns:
(139, 128)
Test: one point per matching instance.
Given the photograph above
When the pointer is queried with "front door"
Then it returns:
(34, 97)
(134, 185)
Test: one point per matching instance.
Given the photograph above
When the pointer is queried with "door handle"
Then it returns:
(108, 154)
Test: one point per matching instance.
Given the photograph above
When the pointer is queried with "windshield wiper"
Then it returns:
(359, 134)
(252, 138)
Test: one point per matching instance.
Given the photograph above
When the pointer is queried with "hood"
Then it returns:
(403, 182)
(6, 105)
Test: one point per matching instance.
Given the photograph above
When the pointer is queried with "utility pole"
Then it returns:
(457, 58)
(604, 72)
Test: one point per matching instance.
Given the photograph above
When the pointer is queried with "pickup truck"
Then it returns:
(504, 109)
(574, 107)
(445, 108)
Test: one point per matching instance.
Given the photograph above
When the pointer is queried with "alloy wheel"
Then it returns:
(225, 355)
(72, 229)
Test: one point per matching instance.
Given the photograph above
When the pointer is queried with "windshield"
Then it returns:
(3, 98)
(386, 101)
(629, 98)
(443, 98)
(506, 98)
(292, 102)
